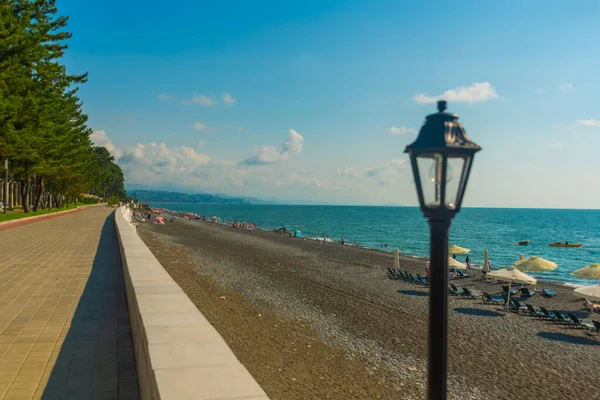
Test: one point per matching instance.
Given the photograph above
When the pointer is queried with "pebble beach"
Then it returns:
(321, 320)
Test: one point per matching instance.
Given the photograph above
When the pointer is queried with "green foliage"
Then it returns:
(88, 200)
(113, 200)
(43, 129)
(19, 215)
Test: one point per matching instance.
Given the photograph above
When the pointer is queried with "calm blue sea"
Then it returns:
(497, 230)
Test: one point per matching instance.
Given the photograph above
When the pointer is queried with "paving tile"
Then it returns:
(63, 309)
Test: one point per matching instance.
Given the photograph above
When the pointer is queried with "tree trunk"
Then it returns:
(40, 195)
(25, 193)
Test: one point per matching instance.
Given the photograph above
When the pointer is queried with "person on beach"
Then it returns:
(427, 269)
(454, 256)
(468, 262)
(342, 240)
(489, 265)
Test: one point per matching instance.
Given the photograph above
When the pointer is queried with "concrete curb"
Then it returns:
(179, 355)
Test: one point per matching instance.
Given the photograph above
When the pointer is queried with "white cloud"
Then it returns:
(387, 170)
(480, 91)
(589, 122)
(557, 145)
(101, 139)
(207, 101)
(271, 155)
(384, 172)
(228, 99)
(199, 126)
(401, 130)
(203, 100)
(294, 144)
(565, 87)
(200, 143)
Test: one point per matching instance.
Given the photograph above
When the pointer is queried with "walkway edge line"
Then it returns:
(178, 353)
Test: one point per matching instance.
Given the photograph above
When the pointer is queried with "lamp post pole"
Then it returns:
(438, 309)
(442, 144)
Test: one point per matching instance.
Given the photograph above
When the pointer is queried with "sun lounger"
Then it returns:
(548, 314)
(513, 292)
(460, 274)
(562, 318)
(548, 293)
(534, 312)
(471, 293)
(391, 274)
(487, 299)
(527, 292)
(421, 280)
(454, 291)
(579, 323)
(516, 306)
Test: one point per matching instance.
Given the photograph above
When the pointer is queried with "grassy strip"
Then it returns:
(19, 215)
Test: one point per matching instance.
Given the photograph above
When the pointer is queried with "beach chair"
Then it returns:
(487, 299)
(460, 274)
(421, 280)
(534, 312)
(548, 314)
(579, 323)
(562, 318)
(548, 293)
(513, 292)
(411, 278)
(454, 291)
(391, 274)
(516, 306)
(471, 294)
(527, 292)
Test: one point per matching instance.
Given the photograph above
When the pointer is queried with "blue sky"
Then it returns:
(316, 100)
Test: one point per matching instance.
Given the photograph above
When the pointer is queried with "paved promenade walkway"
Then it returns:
(64, 326)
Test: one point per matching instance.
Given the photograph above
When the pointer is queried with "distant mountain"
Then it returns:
(158, 196)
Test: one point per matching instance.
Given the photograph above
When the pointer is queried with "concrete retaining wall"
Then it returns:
(179, 355)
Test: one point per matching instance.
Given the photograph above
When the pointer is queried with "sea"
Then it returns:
(494, 229)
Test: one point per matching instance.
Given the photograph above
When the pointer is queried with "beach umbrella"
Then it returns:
(486, 258)
(588, 292)
(592, 271)
(452, 263)
(454, 249)
(397, 259)
(535, 264)
(510, 275)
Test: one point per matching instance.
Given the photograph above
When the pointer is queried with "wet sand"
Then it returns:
(321, 321)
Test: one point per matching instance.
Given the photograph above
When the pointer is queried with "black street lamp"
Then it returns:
(441, 160)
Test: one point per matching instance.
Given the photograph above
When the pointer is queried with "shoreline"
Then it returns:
(179, 214)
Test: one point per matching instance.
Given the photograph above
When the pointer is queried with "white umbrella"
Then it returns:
(588, 292)
(397, 259)
(454, 249)
(511, 274)
(456, 264)
(592, 271)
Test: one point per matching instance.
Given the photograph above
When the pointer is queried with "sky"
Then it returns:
(316, 100)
